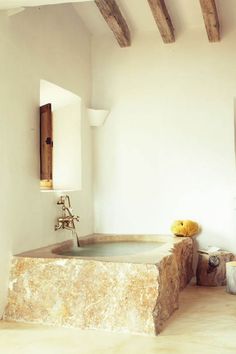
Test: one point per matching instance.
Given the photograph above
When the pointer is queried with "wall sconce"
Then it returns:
(97, 117)
(15, 11)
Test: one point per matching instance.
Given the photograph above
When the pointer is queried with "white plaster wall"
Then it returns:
(50, 44)
(67, 147)
(166, 151)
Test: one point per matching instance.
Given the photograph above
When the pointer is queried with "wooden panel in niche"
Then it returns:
(46, 146)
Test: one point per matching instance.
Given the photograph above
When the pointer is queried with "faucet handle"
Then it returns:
(61, 200)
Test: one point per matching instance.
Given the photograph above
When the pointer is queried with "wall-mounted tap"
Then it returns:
(67, 220)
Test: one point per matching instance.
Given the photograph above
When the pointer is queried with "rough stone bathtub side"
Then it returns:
(89, 294)
(183, 252)
(84, 294)
(168, 299)
(174, 273)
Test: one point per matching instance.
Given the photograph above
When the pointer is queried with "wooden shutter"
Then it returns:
(46, 145)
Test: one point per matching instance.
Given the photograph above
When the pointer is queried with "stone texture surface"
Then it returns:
(84, 294)
(213, 276)
(205, 323)
(184, 258)
(136, 297)
(168, 299)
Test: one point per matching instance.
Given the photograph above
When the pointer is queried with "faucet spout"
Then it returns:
(67, 220)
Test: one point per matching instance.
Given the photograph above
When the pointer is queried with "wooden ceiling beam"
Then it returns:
(112, 15)
(210, 16)
(163, 20)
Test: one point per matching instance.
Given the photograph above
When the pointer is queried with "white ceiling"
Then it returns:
(10, 4)
(185, 14)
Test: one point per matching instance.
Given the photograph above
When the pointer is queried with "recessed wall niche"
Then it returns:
(65, 138)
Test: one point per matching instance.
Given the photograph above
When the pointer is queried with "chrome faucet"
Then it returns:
(67, 220)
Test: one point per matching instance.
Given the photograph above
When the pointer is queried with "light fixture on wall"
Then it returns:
(15, 11)
(97, 117)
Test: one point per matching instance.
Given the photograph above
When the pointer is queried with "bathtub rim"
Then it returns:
(148, 257)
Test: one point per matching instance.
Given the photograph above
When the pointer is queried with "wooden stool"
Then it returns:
(211, 268)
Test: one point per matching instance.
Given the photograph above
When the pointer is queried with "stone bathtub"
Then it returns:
(134, 291)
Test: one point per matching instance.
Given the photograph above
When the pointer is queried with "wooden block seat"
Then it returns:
(211, 268)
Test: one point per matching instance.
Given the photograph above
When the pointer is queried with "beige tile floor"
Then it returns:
(205, 323)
